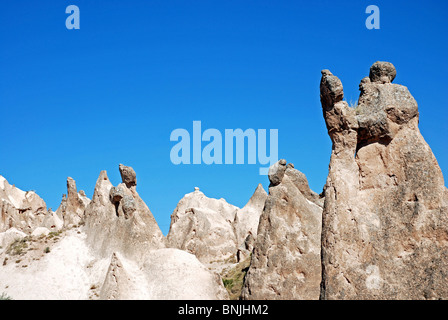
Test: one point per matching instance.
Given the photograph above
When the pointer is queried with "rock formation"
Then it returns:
(118, 227)
(19, 209)
(9, 237)
(166, 274)
(128, 176)
(248, 218)
(26, 211)
(118, 284)
(246, 223)
(385, 219)
(176, 274)
(118, 224)
(52, 221)
(379, 231)
(286, 261)
(203, 226)
(117, 219)
(73, 205)
(213, 229)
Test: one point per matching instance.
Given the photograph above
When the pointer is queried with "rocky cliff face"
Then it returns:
(286, 261)
(385, 219)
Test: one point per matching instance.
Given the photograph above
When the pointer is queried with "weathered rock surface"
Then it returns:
(204, 227)
(382, 72)
(213, 229)
(10, 236)
(19, 209)
(385, 219)
(118, 283)
(73, 205)
(128, 176)
(286, 260)
(166, 274)
(246, 222)
(53, 221)
(40, 231)
(118, 220)
(176, 274)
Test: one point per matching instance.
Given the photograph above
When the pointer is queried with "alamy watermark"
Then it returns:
(73, 21)
(373, 20)
(189, 148)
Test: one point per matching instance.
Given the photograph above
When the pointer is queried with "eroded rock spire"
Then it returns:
(385, 219)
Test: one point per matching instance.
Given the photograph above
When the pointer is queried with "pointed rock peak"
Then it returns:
(382, 72)
(260, 189)
(118, 220)
(196, 189)
(103, 176)
(259, 192)
(128, 176)
(115, 262)
(102, 185)
(116, 284)
(71, 181)
(285, 212)
(71, 187)
(258, 197)
(73, 205)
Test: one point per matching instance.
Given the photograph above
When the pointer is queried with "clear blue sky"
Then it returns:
(75, 102)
